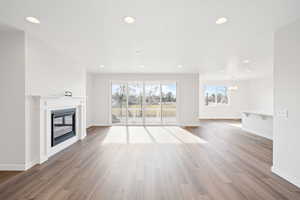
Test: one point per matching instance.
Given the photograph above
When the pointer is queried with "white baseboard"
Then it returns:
(42, 159)
(58, 148)
(31, 164)
(286, 176)
(100, 125)
(12, 167)
(219, 118)
(18, 167)
(177, 124)
(256, 133)
(189, 124)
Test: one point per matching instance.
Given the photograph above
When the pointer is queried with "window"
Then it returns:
(118, 102)
(138, 102)
(215, 95)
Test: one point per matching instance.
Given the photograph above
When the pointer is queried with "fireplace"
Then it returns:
(63, 125)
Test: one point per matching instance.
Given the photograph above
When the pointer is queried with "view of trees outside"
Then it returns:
(152, 103)
(215, 95)
(168, 98)
(119, 103)
(149, 102)
(135, 105)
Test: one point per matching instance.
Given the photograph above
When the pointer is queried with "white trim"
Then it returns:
(257, 133)
(193, 124)
(144, 103)
(102, 124)
(12, 167)
(31, 164)
(286, 176)
(127, 97)
(62, 146)
(263, 113)
(220, 118)
(110, 103)
(45, 106)
(158, 124)
(43, 159)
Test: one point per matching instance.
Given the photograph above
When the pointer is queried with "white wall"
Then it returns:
(286, 148)
(258, 123)
(187, 97)
(50, 72)
(90, 100)
(238, 100)
(29, 67)
(260, 99)
(12, 100)
(261, 94)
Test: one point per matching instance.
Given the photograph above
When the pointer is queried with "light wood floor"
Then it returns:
(213, 162)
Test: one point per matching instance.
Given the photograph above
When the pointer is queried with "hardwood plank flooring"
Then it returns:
(5, 175)
(215, 161)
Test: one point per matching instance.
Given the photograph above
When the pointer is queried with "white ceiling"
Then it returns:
(166, 33)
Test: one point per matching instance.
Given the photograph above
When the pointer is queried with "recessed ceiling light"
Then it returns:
(101, 66)
(179, 66)
(221, 20)
(246, 61)
(129, 20)
(33, 20)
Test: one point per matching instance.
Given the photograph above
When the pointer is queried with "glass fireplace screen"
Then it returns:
(63, 125)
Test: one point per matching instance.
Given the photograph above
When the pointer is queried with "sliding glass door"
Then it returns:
(152, 111)
(135, 105)
(168, 99)
(119, 102)
(138, 102)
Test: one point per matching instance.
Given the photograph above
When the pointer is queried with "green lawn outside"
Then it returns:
(169, 110)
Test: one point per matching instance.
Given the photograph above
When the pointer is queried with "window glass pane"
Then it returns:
(215, 95)
(168, 92)
(135, 106)
(210, 95)
(221, 93)
(152, 103)
(118, 102)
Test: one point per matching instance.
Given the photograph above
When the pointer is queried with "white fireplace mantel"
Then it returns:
(42, 107)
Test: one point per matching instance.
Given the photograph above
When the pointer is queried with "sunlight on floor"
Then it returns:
(116, 134)
(184, 136)
(138, 134)
(150, 135)
(160, 135)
